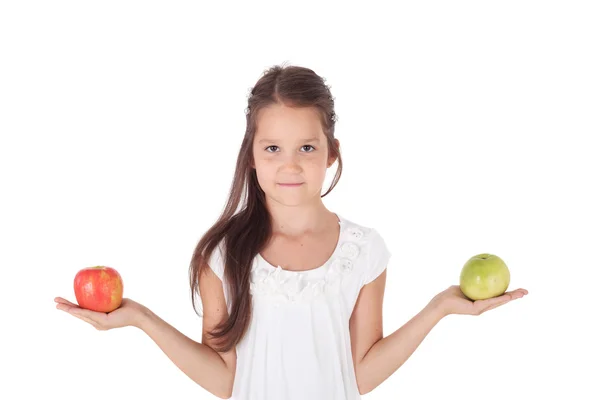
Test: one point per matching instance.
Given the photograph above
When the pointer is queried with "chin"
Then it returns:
(289, 199)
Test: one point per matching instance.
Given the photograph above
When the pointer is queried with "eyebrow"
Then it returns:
(314, 139)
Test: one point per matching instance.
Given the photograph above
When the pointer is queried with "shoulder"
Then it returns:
(216, 263)
(370, 243)
(216, 260)
(366, 235)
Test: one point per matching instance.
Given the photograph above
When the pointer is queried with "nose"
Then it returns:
(291, 164)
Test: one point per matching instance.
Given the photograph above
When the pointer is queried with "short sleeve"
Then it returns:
(378, 257)
(217, 261)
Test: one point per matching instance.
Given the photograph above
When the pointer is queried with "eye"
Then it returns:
(276, 147)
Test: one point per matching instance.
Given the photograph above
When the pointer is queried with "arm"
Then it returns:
(198, 361)
(212, 370)
(376, 358)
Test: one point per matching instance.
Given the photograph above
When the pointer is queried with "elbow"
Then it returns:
(228, 392)
(361, 391)
(363, 387)
(222, 390)
(221, 393)
(225, 393)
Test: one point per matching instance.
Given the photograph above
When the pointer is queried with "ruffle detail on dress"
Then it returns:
(267, 280)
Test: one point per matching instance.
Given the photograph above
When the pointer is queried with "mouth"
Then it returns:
(290, 184)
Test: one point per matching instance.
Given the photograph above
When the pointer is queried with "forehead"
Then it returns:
(279, 121)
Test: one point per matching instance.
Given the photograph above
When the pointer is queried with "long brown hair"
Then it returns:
(245, 224)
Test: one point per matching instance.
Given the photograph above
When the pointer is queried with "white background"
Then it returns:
(466, 127)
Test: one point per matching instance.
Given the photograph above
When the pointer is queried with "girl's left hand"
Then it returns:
(453, 301)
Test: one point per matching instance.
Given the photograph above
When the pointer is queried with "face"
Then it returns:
(290, 148)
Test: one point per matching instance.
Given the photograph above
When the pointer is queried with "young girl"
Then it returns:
(291, 292)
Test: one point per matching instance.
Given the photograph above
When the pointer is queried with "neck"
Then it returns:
(300, 219)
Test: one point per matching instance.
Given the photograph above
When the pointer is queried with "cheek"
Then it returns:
(315, 169)
(265, 171)
(265, 164)
(318, 162)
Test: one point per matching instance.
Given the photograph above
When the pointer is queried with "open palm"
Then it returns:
(453, 301)
(128, 314)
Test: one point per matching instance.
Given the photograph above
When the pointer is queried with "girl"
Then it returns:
(291, 292)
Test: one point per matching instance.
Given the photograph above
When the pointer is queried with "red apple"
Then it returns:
(98, 288)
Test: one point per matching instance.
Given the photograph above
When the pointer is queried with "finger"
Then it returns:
(67, 307)
(494, 306)
(480, 306)
(493, 301)
(491, 307)
(74, 311)
(89, 321)
(89, 314)
(64, 301)
(63, 307)
(516, 293)
(509, 296)
(77, 311)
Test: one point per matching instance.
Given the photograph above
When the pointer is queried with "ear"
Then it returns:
(332, 159)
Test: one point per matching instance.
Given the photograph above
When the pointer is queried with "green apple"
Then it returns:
(484, 276)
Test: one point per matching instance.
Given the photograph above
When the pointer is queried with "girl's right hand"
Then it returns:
(129, 313)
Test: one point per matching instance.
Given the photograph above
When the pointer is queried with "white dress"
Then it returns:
(297, 346)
